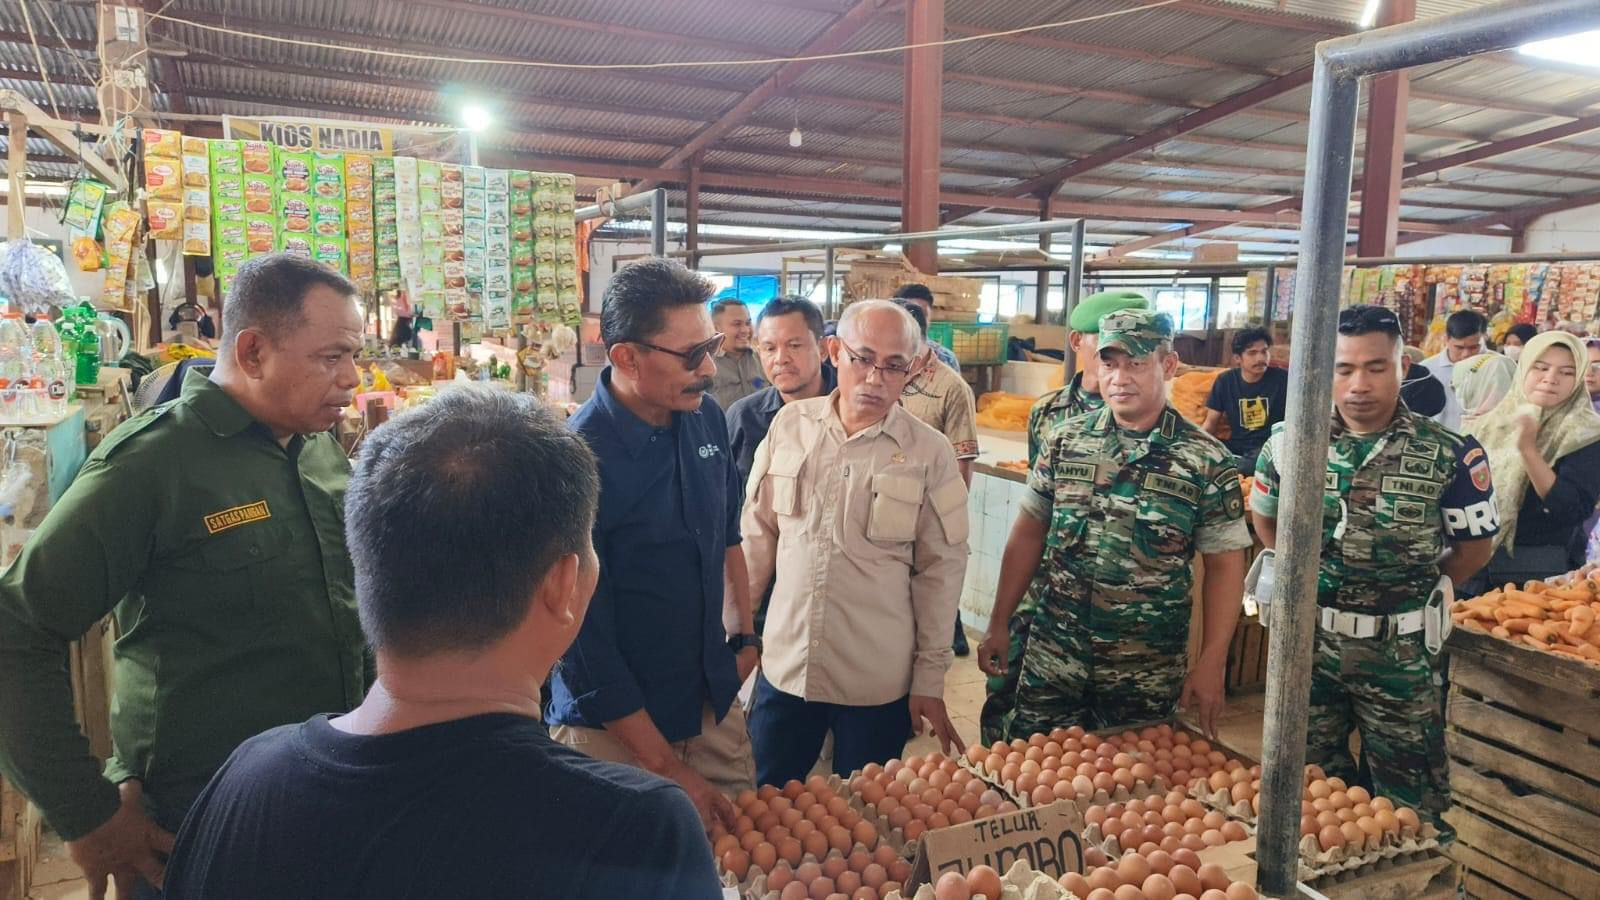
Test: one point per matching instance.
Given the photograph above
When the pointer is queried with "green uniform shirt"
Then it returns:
(1050, 410)
(223, 555)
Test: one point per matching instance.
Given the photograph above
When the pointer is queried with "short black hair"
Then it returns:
(1247, 337)
(636, 300)
(1522, 331)
(788, 305)
(1365, 318)
(1464, 323)
(722, 305)
(914, 291)
(455, 512)
(916, 312)
(269, 292)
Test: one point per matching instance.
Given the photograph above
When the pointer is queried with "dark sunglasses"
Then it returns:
(692, 357)
(1365, 319)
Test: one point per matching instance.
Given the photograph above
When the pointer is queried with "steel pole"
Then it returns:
(1484, 29)
(658, 223)
(1016, 229)
(828, 308)
(616, 207)
(1080, 231)
(1330, 153)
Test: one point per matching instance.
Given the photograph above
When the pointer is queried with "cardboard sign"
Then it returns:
(1046, 837)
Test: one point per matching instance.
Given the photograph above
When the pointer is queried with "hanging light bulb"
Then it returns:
(795, 137)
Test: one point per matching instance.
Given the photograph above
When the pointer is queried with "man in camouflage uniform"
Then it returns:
(1404, 500)
(1120, 500)
(1079, 396)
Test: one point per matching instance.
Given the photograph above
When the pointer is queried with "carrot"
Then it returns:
(1534, 587)
(1537, 630)
(1563, 649)
(1500, 631)
(1527, 598)
(1575, 594)
(1534, 642)
(1582, 619)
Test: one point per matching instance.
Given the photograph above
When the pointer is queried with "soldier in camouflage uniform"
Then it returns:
(1079, 396)
(1120, 501)
(1404, 500)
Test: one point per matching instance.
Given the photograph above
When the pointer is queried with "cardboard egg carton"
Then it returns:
(1316, 862)
(1008, 789)
(754, 885)
(1223, 802)
(1095, 836)
(1018, 883)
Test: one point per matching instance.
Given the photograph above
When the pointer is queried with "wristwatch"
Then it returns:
(740, 641)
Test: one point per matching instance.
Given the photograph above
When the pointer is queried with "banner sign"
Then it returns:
(446, 145)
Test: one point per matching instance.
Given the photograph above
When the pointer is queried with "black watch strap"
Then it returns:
(741, 641)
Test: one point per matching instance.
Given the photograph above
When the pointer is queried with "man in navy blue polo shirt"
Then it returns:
(652, 676)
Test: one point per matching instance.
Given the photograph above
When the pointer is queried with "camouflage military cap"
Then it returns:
(1137, 332)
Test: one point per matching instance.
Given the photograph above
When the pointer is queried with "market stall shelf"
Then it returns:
(1523, 734)
(1425, 875)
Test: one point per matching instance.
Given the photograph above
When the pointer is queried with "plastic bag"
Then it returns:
(33, 278)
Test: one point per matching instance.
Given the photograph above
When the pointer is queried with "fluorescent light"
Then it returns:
(1369, 13)
(475, 118)
(37, 188)
(1576, 49)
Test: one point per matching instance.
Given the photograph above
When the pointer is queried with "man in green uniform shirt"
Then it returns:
(1119, 502)
(1404, 500)
(1079, 396)
(214, 527)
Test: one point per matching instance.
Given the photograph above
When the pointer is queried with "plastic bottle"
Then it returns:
(50, 379)
(16, 353)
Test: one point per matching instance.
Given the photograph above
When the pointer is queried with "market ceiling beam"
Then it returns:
(1261, 93)
(1038, 41)
(1388, 102)
(858, 16)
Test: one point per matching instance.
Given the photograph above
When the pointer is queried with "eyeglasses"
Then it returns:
(692, 357)
(865, 366)
(1365, 319)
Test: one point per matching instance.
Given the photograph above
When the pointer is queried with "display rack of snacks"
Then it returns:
(1522, 729)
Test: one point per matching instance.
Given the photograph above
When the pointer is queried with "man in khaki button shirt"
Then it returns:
(857, 514)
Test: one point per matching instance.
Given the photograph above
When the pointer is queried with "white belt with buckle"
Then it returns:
(1359, 625)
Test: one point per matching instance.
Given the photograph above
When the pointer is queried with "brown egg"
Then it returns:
(1127, 892)
(1330, 837)
(737, 863)
(1387, 821)
(865, 834)
(1104, 782)
(1159, 887)
(888, 888)
(839, 839)
(1101, 894)
(1075, 883)
(1103, 877)
(914, 829)
(1214, 895)
(1133, 869)
(808, 872)
(899, 871)
(1147, 848)
(723, 845)
(790, 850)
(884, 856)
(1220, 781)
(1194, 826)
(1193, 842)
(791, 818)
(1320, 790)
(1381, 803)
(764, 857)
(1187, 858)
(776, 834)
(1093, 857)
(1233, 831)
(1240, 891)
(750, 839)
(1185, 880)
(1152, 817)
(833, 867)
(1213, 819)
(1213, 877)
(1241, 793)
(847, 883)
(1326, 818)
(816, 844)
(873, 793)
(951, 886)
(794, 890)
(821, 888)
(865, 893)
(938, 820)
(986, 881)
(1192, 809)
(1151, 834)
(1042, 795)
(1408, 819)
(1171, 844)
(874, 875)
(780, 877)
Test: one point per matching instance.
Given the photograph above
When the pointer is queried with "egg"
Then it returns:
(736, 862)
(1103, 877)
(1127, 892)
(1103, 781)
(1220, 781)
(1381, 803)
(1214, 895)
(764, 856)
(864, 893)
(1187, 858)
(822, 888)
(834, 866)
(1185, 880)
(1408, 819)
(914, 829)
(1159, 887)
(952, 886)
(1241, 792)
(885, 856)
(1330, 837)
(986, 881)
(1192, 842)
(1042, 795)
(874, 875)
(1320, 790)
(1240, 891)
(1133, 869)
(808, 872)
(1076, 883)
(889, 887)
(1233, 831)
(794, 890)
(1213, 877)
(750, 839)
(847, 882)
(1387, 821)
(780, 877)
(1161, 861)
(899, 871)
(1101, 894)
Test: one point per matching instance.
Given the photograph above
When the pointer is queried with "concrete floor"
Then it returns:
(56, 878)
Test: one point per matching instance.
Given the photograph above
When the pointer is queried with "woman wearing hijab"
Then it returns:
(1591, 376)
(1480, 384)
(1543, 444)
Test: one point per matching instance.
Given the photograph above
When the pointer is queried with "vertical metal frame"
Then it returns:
(1340, 65)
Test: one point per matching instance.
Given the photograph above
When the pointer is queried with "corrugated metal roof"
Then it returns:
(642, 116)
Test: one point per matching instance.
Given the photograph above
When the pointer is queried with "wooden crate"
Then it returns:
(1420, 876)
(1523, 735)
(19, 842)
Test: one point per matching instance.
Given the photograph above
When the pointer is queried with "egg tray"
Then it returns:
(1019, 883)
(754, 885)
(1222, 802)
(1094, 836)
(1316, 862)
(1008, 789)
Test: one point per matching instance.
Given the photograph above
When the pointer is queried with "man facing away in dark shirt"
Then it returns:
(443, 782)
(1251, 397)
(789, 344)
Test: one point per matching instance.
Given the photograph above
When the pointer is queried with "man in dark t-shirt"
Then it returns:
(443, 782)
(1251, 397)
